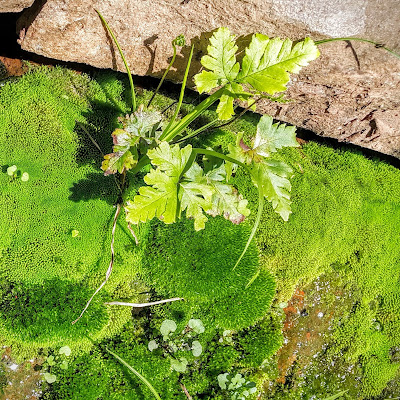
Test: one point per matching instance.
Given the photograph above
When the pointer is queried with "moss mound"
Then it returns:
(56, 225)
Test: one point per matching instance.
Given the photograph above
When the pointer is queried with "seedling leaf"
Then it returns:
(65, 350)
(196, 325)
(50, 378)
(168, 326)
(197, 348)
(179, 365)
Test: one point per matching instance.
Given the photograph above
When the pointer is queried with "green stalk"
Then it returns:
(377, 45)
(189, 118)
(178, 108)
(141, 377)
(164, 76)
(123, 59)
(254, 230)
(141, 163)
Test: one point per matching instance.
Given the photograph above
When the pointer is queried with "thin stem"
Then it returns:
(164, 75)
(110, 267)
(254, 230)
(123, 59)
(141, 377)
(189, 118)
(184, 390)
(133, 233)
(377, 45)
(178, 108)
(220, 155)
(140, 305)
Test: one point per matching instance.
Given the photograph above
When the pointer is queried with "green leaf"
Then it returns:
(272, 178)
(336, 396)
(139, 126)
(11, 170)
(65, 350)
(195, 196)
(268, 62)
(74, 233)
(221, 61)
(179, 365)
(64, 365)
(50, 361)
(226, 200)
(271, 137)
(161, 200)
(197, 348)
(236, 382)
(50, 378)
(141, 377)
(223, 380)
(152, 345)
(25, 177)
(168, 326)
(196, 325)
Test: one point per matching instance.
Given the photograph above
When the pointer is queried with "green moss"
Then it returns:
(40, 258)
(180, 262)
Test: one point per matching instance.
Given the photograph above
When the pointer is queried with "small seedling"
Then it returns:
(175, 345)
(55, 362)
(236, 385)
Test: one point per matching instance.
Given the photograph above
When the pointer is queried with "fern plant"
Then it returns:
(196, 181)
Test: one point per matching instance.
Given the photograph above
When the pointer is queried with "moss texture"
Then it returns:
(344, 221)
(44, 268)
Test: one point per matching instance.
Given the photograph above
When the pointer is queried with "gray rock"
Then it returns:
(350, 93)
(14, 6)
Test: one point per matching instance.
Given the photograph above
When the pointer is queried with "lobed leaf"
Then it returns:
(272, 176)
(139, 126)
(271, 137)
(221, 61)
(268, 62)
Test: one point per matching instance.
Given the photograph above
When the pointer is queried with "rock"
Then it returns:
(350, 93)
(14, 6)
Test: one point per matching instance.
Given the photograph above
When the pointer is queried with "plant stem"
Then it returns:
(141, 377)
(377, 45)
(140, 305)
(184, 390)
(171, 122)
(189, 118)
(110, 267)
(164, 75)
(123, 59)
(254, 230)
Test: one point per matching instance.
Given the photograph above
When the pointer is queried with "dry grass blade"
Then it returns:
(110, 267)
(140, 305)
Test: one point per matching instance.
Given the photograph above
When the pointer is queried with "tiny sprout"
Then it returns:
(168, 326)
(196, 325)
(64, 365)
(65, 350)
(179, 41)
(50, 378)
(50, 361)
(25, 177)
(179, 365)
(75, 233)
(152, 345)
(11, 170)
(197, 349)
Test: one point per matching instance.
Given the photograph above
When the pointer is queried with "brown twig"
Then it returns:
(110, 267)
(184, 390)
